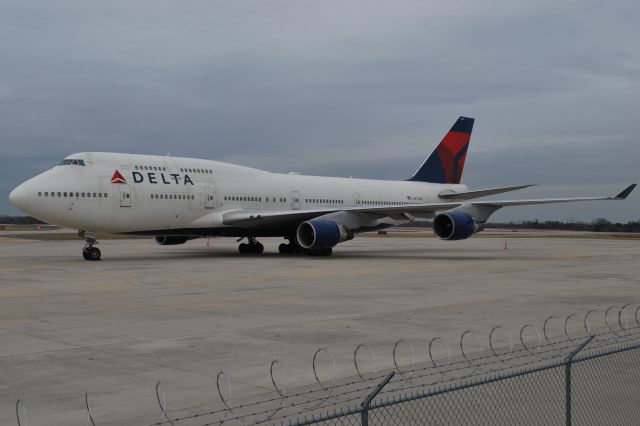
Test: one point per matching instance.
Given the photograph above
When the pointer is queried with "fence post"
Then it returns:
(364, 405)
(567, 378)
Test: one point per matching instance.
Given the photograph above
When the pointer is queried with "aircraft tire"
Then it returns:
(94, 253)
(283, 248)
(85, 254)
(259, 248)
(243, 248)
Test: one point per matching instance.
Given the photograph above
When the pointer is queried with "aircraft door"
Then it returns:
(295, 200)
(356, 199)
(125, 195)
(209, 197)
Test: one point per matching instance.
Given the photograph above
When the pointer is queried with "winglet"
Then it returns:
(624, 194)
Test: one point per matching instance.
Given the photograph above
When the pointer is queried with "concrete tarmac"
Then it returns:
(180, 314)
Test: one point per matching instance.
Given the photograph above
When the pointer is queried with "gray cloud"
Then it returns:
(361, 88)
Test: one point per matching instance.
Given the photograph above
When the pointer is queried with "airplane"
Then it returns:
(177, 199)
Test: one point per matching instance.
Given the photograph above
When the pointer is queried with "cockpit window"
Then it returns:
(71, 161)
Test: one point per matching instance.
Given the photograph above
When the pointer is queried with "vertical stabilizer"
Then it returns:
(445, 164)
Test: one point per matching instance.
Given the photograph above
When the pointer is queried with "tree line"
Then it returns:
(597, 225)
(20, 220)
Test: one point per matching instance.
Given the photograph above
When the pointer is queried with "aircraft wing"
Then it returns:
(250, 218)
(258, 218)
(621, 196)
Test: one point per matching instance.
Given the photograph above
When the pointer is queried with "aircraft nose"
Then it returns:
(19, 197)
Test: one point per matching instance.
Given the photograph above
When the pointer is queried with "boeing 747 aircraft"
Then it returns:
(178, 199)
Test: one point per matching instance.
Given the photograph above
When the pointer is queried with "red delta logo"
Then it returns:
(118, 178)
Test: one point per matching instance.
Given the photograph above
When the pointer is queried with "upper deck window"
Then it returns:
(71, 161)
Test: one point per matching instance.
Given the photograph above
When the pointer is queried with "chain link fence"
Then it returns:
(589, 373)
(590, 386)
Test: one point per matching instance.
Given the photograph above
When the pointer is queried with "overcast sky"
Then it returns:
(361, 88)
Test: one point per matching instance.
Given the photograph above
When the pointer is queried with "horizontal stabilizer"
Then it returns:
(468, 195)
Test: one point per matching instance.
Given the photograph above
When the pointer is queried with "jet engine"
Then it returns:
(320, 233)
(455, 225)
(165, 240)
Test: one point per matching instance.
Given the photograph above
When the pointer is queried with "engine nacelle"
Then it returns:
(165, 240)
(455, 225)
(320, 233)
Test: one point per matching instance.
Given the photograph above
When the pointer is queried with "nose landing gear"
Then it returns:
(89, 252)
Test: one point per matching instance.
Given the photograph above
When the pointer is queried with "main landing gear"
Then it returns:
(293, 248)
(89, 252)
(251, 247)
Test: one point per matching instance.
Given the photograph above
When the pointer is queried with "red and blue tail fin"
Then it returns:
(445, 164)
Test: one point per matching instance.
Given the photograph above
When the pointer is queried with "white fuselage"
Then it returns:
(189, 196)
